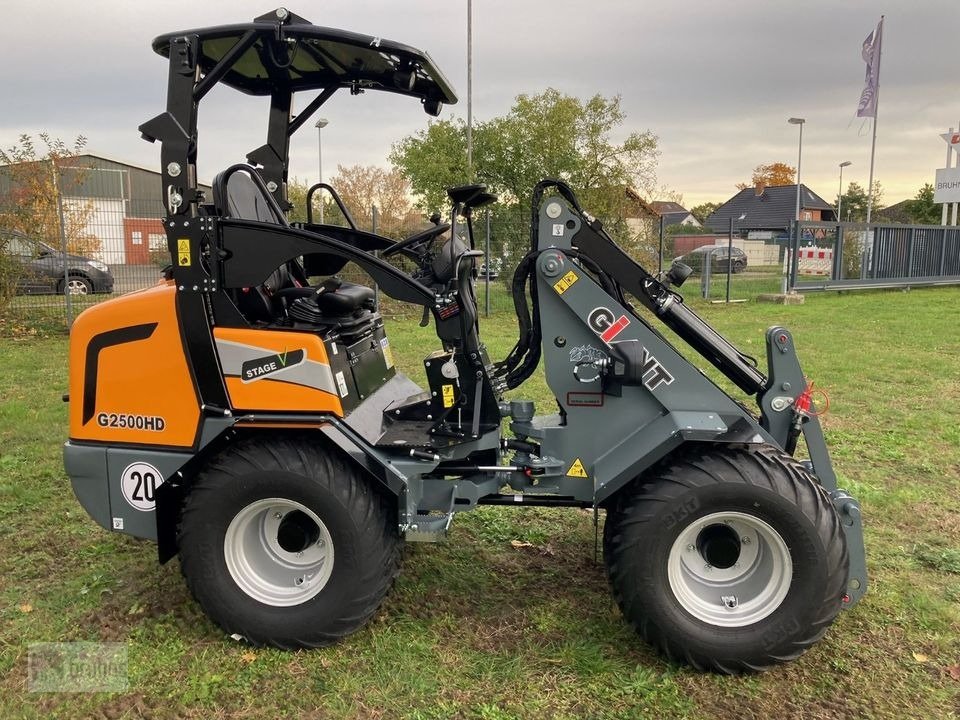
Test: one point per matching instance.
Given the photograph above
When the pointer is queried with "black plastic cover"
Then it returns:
(290, 53)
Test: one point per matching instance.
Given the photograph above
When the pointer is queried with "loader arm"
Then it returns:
(567, 240)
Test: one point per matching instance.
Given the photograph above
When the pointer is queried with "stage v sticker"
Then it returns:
(605, 324)
(139, 484)
(262, 367)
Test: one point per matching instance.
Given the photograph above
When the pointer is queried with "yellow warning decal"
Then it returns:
(564, 283)
(183, 252)
(576, 470)
(448, 396)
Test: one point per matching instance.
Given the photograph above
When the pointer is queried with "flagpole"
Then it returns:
(876, 114)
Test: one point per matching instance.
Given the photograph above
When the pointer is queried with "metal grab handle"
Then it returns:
(336, 199)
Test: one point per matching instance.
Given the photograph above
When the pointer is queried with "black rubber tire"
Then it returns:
(361, 518)
(74, 278)
(739, 266)
(762, 481)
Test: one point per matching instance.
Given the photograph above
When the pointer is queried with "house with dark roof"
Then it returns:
(898, 213)
(673, 213)
(769, 209)
(640, 216)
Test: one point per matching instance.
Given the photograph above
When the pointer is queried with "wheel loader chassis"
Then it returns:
(606, 434)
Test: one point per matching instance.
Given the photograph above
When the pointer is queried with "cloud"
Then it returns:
(715, 81)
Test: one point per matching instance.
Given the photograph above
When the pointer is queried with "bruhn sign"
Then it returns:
(947, 187)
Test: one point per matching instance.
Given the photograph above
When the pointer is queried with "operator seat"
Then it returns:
(237, 194)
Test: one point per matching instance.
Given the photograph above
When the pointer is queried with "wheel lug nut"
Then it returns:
(691, 548)
(745, 540)
(708, 567)
(277, 515)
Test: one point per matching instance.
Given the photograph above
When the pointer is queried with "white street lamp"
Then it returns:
(845, 163)
(800, 122)
(320, 125)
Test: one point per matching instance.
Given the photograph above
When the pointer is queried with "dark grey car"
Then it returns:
(43, 268)
(720, 257)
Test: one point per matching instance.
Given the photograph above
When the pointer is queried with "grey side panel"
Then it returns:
(87, 468)
(367, 419)
(132, 492)
(98, 474)
(611, 434)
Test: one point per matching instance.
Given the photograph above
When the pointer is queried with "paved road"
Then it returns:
(133, 277)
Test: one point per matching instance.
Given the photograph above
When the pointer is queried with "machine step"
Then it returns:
(428, 528)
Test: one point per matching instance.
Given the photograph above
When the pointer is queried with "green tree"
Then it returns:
(361, 187)
(922, 209)
(681, 229)
(435, 159)
(546, 135)
(31, 182)
(854, 205)
(702, 211)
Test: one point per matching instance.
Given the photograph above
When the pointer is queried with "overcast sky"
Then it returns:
(715, 81)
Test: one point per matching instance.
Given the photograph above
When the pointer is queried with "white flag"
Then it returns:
(871, 87)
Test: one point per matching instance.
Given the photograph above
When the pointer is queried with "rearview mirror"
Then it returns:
(678, 273)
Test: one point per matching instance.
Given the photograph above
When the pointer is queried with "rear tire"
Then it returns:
(728, 559)
(285, 544)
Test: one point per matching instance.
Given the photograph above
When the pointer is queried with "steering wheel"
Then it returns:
(419, 238)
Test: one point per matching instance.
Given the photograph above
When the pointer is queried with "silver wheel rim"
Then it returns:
(77, 287)
(725, 582)
(266, 570)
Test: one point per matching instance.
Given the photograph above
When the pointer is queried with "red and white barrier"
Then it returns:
(814, 261)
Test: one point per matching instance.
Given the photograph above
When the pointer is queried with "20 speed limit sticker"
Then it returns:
(139, 484)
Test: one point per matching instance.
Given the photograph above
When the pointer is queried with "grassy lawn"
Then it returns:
(479, 628)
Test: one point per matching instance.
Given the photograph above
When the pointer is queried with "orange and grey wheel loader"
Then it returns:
(246, 413)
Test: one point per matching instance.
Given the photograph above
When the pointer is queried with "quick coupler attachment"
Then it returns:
(848, 510)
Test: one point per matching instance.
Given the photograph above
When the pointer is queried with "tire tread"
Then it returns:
(763, 466)
(370, 508)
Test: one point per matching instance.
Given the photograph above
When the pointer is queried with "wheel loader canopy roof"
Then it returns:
(282, 51)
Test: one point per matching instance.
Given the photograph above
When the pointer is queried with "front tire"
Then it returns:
(730, 559)
(285, 544)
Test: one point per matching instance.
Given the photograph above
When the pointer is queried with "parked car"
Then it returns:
(720, 258)
(496, 264)
(43, 268)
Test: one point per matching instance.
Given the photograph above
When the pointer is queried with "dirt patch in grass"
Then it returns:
(142, 597)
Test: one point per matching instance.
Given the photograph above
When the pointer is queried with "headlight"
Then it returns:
(98, 265)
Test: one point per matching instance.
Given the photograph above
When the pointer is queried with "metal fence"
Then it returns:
(837, 256)
(108, 239)
(100, 234)
(729, 267)
(93, 239)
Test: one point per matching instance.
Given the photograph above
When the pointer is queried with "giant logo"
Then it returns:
(605, 324)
